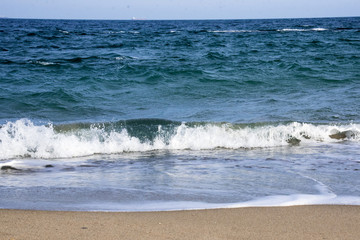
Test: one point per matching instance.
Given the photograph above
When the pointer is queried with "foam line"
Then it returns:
(24, 139)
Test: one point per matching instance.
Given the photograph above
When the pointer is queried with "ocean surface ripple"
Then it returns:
(234, 71)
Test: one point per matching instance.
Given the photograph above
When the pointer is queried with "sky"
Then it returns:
(177, 9)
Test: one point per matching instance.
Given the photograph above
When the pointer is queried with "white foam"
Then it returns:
(24, 139)
(270, 201)
(114, 32)
(319, 29)
(232, 31)
(44, 63)
(301, 29)
(63, 31)
(279, 30)
(27, 164)
(292, 30)
(297, 200)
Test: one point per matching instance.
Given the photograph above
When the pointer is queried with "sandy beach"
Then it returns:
(298, 222)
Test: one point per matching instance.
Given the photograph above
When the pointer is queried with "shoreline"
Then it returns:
(293, 222)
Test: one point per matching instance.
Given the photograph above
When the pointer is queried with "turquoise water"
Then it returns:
(156, 115)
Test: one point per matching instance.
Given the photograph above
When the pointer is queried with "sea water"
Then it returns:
(162, 115)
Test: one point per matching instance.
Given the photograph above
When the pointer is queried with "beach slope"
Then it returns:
(298, 222)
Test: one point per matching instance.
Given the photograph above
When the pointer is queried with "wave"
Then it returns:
(6, 61)
(22, 138)
(301, 29)
(58, 62)
(232, 31)
(114, 32)
(63, 31)
(348, 40)
(31, 34)
(43, 63)
(215, 56)
(268, 30)
(112, 45)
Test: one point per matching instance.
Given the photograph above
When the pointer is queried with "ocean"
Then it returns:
(163, 115)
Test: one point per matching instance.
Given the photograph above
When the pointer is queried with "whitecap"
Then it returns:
(44, 63)
(292, 30)
(301, 29)
(319, 29)
(63, 31)
(114, 32)
(232, 31)
(25, 139)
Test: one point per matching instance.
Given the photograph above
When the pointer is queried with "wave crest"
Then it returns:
(23, 138)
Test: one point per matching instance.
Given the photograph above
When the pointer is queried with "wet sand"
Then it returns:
(298, 222)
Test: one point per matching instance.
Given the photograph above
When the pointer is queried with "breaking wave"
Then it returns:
(23, 138)
(301, 29)
(268, 30)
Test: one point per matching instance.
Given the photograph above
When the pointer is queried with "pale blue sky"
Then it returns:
(177, 9)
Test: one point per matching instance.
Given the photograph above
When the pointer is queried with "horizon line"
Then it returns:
(187, 19)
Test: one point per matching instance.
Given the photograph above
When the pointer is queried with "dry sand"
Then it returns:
(300, 222)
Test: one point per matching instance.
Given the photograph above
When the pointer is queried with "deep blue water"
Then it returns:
(121, 115)
(234, 71)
